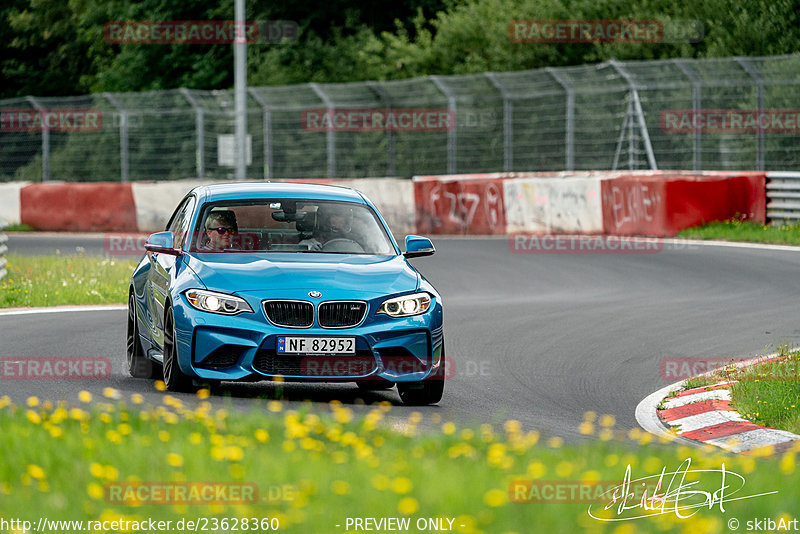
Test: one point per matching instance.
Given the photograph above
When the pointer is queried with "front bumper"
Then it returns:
(243, 347)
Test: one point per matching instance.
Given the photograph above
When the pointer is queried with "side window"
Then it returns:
(179, 224)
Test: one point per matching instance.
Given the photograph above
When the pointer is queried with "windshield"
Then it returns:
(290, 225)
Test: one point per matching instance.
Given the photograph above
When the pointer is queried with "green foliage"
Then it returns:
(53, 47)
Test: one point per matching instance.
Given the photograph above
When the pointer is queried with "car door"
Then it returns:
(162, 268)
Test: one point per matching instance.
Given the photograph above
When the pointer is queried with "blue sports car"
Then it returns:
(252, 281)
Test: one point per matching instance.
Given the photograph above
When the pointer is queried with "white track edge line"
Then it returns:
(64, 309)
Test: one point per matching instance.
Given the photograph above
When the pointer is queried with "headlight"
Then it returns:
(406, 306)
(213, 302)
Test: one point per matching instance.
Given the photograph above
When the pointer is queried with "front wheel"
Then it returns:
(424, 392)
(174, 378)
(138, 365)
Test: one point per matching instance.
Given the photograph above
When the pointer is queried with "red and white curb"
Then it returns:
(704, 415)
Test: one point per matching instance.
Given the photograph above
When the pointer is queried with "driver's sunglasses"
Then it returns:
(222, 231)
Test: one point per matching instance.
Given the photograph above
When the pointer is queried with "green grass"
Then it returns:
(59, 280)
(738, 230)
(19, 228)
(767, 394)
(314, 468)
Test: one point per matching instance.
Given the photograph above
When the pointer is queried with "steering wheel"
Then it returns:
(342, 244)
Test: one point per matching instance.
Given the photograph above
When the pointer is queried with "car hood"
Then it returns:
(231, 273)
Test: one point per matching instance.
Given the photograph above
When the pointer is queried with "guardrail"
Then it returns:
(3, 250)
(783, 197)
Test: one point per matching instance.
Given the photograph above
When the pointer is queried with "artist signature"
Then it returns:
(678, 496)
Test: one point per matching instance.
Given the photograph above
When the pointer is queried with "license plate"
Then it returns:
(316, 345)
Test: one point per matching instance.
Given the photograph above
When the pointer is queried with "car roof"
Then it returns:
(266, 190)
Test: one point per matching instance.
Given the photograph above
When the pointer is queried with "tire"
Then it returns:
(138, 365)
(174, 378)
(428, 391)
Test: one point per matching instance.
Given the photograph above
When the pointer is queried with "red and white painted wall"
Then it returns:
(653, 203)
(146, 206)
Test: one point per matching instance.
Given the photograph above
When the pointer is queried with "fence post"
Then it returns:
(391, 153)
(267, 131)
(569, 164)
(760, 103)
(637, 107)
(451, 134)
(330, 134)
(200, 161)
(697, 87)
(508, 125)
(124, 159)
(45, 139)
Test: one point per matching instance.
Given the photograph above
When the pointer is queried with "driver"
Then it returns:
(220, 230)
(333, 222)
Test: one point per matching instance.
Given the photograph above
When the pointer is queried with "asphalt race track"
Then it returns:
(541, 338)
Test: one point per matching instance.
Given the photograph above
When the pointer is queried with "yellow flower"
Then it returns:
(174, 459)
(33, 417)
(591, 477)
(95, 490)
(84, 396)
(512, 426)
(137, 398)
(35, 471)
(110, 472)
(343, 415)
(340, 487)
(262, 435)
(96, 470)
(586, 428)
(408, 506)
(401, 485)
(160, 385)
(564, 469)
(495, 497)
(33, 402)
(536, 469)
(607, 420)
(787, 463)
(203, 393)
(448, 428)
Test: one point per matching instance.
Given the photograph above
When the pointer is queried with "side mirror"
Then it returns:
(417, 246)
(162, 243)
